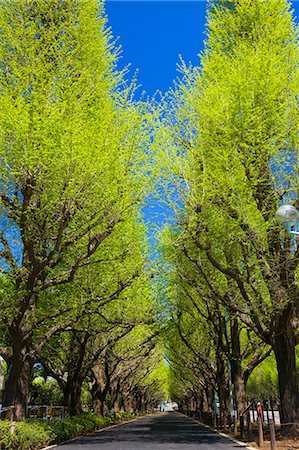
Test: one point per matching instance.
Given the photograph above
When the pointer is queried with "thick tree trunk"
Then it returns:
(117, 402)
(16, 391)
(240, 391)
(208, 396)
(222, 391)
(128, 402)
(237, 372)
(115, 396)
(138, 406)
(121, 402)
(284, 349)
(99, 389)
(98, 406)
(72, 396)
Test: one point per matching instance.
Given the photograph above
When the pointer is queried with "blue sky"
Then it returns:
(153, 33)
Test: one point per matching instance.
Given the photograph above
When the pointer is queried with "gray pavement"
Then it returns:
(166, 431)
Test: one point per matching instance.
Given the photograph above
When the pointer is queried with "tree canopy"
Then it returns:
(232, 151)
(73, 172)
(81, 293)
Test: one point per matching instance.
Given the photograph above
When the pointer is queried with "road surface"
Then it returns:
(165, 431)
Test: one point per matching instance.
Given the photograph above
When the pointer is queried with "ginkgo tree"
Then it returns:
(113, 297)
(128, 376)
(73, 164)
(233, 153)
(197, 296)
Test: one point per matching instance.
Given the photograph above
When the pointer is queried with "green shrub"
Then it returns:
(127, 415)
(121, 415)
(4, 432)
(64, 429)
(34, 435)
(73, 426)
(27, 436)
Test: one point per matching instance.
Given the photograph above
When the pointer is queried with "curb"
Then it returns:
(227, 436)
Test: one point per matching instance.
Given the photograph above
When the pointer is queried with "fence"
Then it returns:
(259, 416)
(44, 412)
(263, 414)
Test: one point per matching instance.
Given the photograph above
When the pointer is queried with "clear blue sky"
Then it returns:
(153, 33)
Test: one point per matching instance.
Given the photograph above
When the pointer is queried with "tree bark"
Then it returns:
(100, 388)
(116, 397)
(222, 390)
(98, 406)
(237, 372)
(16, 391)
(72, 395)
(240, 391)
(284, 350)
(128, 402)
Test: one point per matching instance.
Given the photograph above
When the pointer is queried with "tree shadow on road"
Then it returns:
(152, 432)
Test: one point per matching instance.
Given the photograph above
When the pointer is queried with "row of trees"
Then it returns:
(77, 153)
(76, 289)
(232, 151)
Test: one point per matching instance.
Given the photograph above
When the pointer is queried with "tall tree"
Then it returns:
(240, 147)
(198, 291)
(72, 163)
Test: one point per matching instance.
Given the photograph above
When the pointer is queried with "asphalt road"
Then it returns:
(165, 431)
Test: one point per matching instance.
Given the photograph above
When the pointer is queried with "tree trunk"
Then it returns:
(222, 390)
(284, 349)
(72, 396)
(117, 401)
(99, 389)
(237, 372)
(206, 402)
(240, 391)
(115, 395)
(98, 406)
(16, 391)
(128, 402)
(121, 402)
